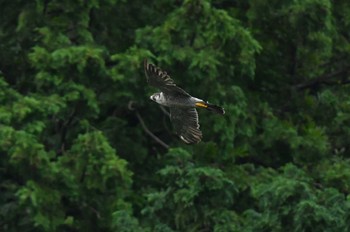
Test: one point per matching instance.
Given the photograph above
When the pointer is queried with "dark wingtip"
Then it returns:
(145, 63)
(215, 109)
(190, 141)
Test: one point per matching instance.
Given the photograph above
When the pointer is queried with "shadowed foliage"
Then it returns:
(82, 148)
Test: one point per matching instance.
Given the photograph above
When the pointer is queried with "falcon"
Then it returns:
(183, 113)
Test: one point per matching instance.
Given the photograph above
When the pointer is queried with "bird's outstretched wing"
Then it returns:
(185, 121)
(161, 80)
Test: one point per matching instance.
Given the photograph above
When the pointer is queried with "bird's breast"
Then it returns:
(177, 101)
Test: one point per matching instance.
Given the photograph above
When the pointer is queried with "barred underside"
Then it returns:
(185, 121)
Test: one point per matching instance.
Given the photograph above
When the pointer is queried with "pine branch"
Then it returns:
(324, 79)
(139, 117)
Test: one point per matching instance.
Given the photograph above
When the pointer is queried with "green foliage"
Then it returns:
(290, 200)
(196, 196)
(75, 118)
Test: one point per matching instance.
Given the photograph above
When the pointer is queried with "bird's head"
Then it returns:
(155, 97)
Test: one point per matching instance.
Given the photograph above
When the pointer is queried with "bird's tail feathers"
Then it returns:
(211, 107)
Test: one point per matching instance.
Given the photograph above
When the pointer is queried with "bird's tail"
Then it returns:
(211, 107)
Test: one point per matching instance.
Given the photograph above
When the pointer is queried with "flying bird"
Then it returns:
(183, 113)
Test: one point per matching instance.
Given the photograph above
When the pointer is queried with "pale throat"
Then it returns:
(161, 99)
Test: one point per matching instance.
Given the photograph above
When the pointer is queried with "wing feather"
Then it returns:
(161, 80)
(185, 121)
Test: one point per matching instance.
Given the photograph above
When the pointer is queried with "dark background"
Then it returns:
(74, 156)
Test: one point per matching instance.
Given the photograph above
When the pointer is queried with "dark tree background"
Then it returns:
(75, 116)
